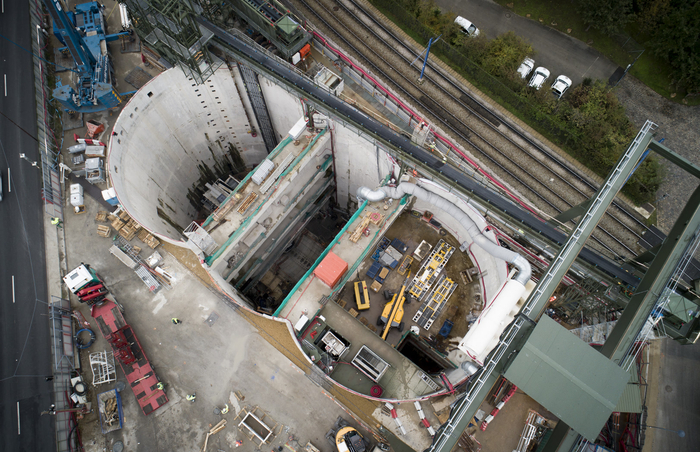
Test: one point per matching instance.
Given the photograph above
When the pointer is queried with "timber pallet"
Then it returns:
(101, 216)
(103, 230)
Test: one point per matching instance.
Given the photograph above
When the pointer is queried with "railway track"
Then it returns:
(529, 168)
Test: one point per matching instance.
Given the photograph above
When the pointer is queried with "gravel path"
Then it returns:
(680, 126)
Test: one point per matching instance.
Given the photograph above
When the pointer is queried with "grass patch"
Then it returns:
(653, 218)
(590, 124)
(649, 69)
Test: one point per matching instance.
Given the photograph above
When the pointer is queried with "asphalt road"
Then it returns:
(24, 328)
(678, 400)
(559, 53)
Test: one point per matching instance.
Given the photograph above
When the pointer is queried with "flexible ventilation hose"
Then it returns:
(497, 251)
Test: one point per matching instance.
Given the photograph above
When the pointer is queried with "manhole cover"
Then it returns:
(508, 15)
(213, 317)
(120, 386)
(669, 388)
(118, 447)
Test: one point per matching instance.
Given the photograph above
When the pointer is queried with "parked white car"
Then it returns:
(540, 76)
(560, 85)
(526, 67)
(467, 27)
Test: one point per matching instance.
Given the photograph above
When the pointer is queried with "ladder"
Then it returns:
(435, 302)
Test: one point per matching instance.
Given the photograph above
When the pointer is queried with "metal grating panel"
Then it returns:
(148, 279)
(370, 364)
(257, 100)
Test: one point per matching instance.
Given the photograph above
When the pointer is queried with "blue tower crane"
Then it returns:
(83, 34)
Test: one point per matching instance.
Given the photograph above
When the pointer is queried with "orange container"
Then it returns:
(331, 270)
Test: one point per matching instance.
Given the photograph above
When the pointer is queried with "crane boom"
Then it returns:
(83, 33)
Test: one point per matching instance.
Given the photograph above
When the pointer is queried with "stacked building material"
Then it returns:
(499, 406)
(423, 420)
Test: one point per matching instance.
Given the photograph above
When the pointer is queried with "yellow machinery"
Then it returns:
(361, 295)
(431, 268)
(435, 302)
(393, 311)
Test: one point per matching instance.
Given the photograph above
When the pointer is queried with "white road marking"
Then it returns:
(161, 302)
(5, 77)
(9, 180)
(19, 430)
(589, 67)
(3, 6)
(13, 288)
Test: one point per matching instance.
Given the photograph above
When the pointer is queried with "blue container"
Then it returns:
(373, 270)
(115, 425)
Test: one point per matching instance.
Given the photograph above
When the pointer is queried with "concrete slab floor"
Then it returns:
(213, 361)
(192, 356)
(503, 433)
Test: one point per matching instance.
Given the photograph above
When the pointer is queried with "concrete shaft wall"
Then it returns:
(284, 108)
(358, 162)
(172, 135)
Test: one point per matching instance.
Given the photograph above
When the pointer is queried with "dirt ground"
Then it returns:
(679, 127)
(503, 433)
(412, 231)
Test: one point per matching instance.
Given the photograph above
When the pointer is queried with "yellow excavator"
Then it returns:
(393, 311)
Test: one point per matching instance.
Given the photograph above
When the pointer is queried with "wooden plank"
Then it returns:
(247, 203)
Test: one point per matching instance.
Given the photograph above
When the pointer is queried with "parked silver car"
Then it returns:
(540, 76)
(526, 67)
(467, 27)
(560, 85)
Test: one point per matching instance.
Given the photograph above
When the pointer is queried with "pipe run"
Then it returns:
(497, 251)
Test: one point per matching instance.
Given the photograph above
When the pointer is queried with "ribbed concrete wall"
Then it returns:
(170, 135)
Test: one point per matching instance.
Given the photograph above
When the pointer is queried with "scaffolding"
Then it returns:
(103, 368)
(430, 270)
(435, 302)
(585, 301)
(257, 101)
(169, 28)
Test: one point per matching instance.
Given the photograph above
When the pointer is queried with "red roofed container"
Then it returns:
(331, 270)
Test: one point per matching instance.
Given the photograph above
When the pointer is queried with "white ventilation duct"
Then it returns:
(492, 321)
(467, 223)
(494, 317)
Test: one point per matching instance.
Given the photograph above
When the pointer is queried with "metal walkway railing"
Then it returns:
(572, 245)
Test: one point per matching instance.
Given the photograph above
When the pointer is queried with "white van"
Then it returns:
(467, 27)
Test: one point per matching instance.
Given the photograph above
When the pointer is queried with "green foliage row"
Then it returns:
(589, 123)
(671, 29)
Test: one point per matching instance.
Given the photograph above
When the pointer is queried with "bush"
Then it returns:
(505, 53)
(589, 123)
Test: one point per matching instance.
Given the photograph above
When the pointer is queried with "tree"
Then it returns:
(505, 53)
(650, 13)
(677, 40)
(608, 16)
